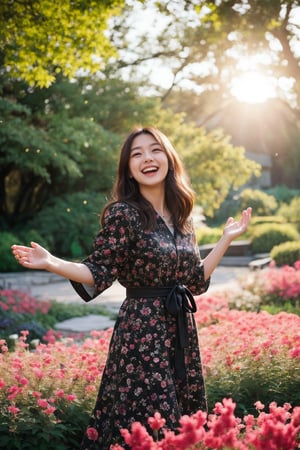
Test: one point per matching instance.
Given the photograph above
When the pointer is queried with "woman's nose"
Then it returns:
(148, 156)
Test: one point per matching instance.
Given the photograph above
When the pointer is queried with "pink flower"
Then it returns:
(156, 422)
(12, 409)
(49, 410)
(36, 394)
(92, 434)
(138, 438)
(59, 393)
(70, 397)
(42, 403)
(259, 405)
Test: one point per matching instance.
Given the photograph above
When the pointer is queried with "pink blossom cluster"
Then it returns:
(276, 430)
(234, 336)
(21, 302)
(63, 371)
(284, 282)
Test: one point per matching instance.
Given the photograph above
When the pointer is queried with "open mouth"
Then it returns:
(150, 170)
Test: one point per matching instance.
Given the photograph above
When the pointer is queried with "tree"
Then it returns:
(203, 46)
(40, 39)
(202, 42)
(214, 165)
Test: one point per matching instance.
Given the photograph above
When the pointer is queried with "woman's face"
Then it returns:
(148, 162)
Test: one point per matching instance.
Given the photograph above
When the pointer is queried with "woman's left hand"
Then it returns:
(234, 228)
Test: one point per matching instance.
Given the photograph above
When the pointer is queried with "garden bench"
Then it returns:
(259, 263)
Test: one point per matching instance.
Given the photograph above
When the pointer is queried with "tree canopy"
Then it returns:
(40, 39)
(77, 75)
(205, 44)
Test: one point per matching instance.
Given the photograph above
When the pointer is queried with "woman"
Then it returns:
(147, 242)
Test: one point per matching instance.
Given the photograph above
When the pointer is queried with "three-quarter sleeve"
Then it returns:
(200, 285)
(110, 250)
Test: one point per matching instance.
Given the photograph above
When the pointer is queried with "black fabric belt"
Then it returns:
(178, 301)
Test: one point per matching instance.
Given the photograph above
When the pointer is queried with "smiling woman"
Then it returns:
(253, 87)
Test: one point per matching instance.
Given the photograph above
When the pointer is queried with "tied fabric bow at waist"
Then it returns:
(178, 302)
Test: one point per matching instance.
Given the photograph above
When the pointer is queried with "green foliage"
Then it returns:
(291, 211)
(258, 220)
(207, 158)
(206, 235)
(68, 144)
(230, 207)
(262, 204)
(267, 379)
(25, 236)
(7, 261)
(283, 194)
(266, 236)
(289, 307)
(69, 223)
(60, 311)
(48, 38)
(286, 253)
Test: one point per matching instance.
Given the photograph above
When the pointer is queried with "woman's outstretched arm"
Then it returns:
(37, 257)
(232, 230)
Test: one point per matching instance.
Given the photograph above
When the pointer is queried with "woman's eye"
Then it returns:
(133, 155)
(157, 149)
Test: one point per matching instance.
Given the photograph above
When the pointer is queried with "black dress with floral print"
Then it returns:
(139, 377)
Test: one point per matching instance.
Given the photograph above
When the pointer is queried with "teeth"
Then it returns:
(150, 169)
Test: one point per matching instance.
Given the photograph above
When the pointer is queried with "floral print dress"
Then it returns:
(139, 378)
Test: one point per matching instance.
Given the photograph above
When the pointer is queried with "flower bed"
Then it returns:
(249, 358)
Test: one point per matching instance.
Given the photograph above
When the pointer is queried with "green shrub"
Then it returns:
(266, 236)
(258, 220)
(26, 236)
(7, 261)
(283, 194)
(291, 212)
(262, 204)
(70, 223)
(286, 253)
(206, 235)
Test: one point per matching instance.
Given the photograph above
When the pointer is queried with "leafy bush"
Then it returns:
(262, 203)
(206, 235)
(286, 253)
(25, 236)
(266, 236)
(7, 260)
(70, 223)
(258, 220)
(291, 212)
(283, 194)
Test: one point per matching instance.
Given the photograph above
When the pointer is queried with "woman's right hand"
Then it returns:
(34, 257)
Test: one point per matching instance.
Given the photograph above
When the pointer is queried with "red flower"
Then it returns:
(156, 422)
(92, 434)
(13, 410)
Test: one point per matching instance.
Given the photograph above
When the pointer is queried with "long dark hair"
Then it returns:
(179, 196)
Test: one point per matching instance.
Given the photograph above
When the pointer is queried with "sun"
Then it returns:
(253, 87)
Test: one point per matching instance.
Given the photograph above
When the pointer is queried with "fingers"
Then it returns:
(21, 253)
(229, 220)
